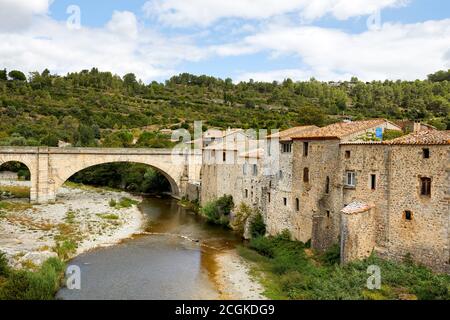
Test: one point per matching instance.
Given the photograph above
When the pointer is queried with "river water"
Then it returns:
(173, 260)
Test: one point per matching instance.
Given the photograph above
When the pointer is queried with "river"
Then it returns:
(174, 259)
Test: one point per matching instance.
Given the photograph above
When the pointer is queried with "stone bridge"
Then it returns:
(51, 167)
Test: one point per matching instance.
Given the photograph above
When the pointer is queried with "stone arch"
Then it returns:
(59, 180)
(30, 163)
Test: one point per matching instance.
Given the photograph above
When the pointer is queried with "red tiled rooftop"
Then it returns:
(432, 137)
(286, 135)
(340, 130)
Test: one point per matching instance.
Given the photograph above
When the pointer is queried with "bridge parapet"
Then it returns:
(51, 167)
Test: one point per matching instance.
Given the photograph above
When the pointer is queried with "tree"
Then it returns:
(17, 75)
(3, 75)
(312, 116)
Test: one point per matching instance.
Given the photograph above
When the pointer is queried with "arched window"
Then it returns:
(327, 185)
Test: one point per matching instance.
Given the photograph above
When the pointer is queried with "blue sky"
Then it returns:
(261, 39)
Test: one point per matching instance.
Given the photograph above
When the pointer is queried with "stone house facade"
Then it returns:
(336, 185)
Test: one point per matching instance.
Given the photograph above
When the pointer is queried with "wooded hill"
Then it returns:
(93, 108)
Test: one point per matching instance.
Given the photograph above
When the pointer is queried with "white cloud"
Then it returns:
(404, 51)
(123, 22)
(18, 14)
(206, 12)
(121, 47)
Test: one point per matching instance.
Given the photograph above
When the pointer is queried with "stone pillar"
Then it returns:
(42, 176)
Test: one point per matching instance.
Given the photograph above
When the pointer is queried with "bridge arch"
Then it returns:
(175, 189)
(51, 167)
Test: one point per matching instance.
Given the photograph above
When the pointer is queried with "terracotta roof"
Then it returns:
(340, 130)
(431, 137)
(286, 135)
(256, 153)
(357, 207)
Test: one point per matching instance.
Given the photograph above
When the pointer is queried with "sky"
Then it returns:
(264, 40)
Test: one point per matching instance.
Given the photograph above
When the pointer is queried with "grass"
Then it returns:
(123, 203)
(289, 270)
(66, 241)
(28, 285)
(14, 206)
(70, 217)
(16, 191)
(107, 216)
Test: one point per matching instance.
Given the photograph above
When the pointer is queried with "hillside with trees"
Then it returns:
(94, 108)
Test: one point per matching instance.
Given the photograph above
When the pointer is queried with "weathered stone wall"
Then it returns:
(281, 214)
(322, 162)
(358, 235)
(426, 236)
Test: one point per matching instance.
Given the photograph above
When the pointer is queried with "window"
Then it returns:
(306, 175)
(280, 174)
(268, 197)
(305, 148)
(270, 184)
(286, 147)
(255, 170)
(425, 187)
(350, 180)
(347, 154)
(224, 157)
(426, 153)
(285, 201)
(244, 169)
(327, 185)
(246, 193)
(297, 204)
(373, 181)
(328, 213)
(408, 215)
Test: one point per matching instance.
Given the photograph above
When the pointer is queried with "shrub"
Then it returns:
(112, 203)
(4, 267)
(331, 256)
(218, 211)
(127, 203)
(263, 246)
(40, 285)
(240, 218)
(257, 226)
(65, 249)
(391, 134)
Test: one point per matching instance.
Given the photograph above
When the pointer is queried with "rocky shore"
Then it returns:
(80, 220)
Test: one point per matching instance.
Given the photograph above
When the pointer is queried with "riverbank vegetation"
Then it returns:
(94, 108)
(219, 211)
(40, 284)
(131, 177)
(291, 270)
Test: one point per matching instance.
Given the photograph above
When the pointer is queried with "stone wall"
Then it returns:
(358, 235)
(426, 236)
(322, 162)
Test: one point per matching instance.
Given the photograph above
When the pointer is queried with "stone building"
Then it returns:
(343, 184)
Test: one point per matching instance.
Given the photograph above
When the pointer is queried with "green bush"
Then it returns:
(391, 134)
(257, 226)
(4, 267)
(127, 203)
(112, 203)
(218, 211)
(65, 249)
(40, 285)
(332, 255)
